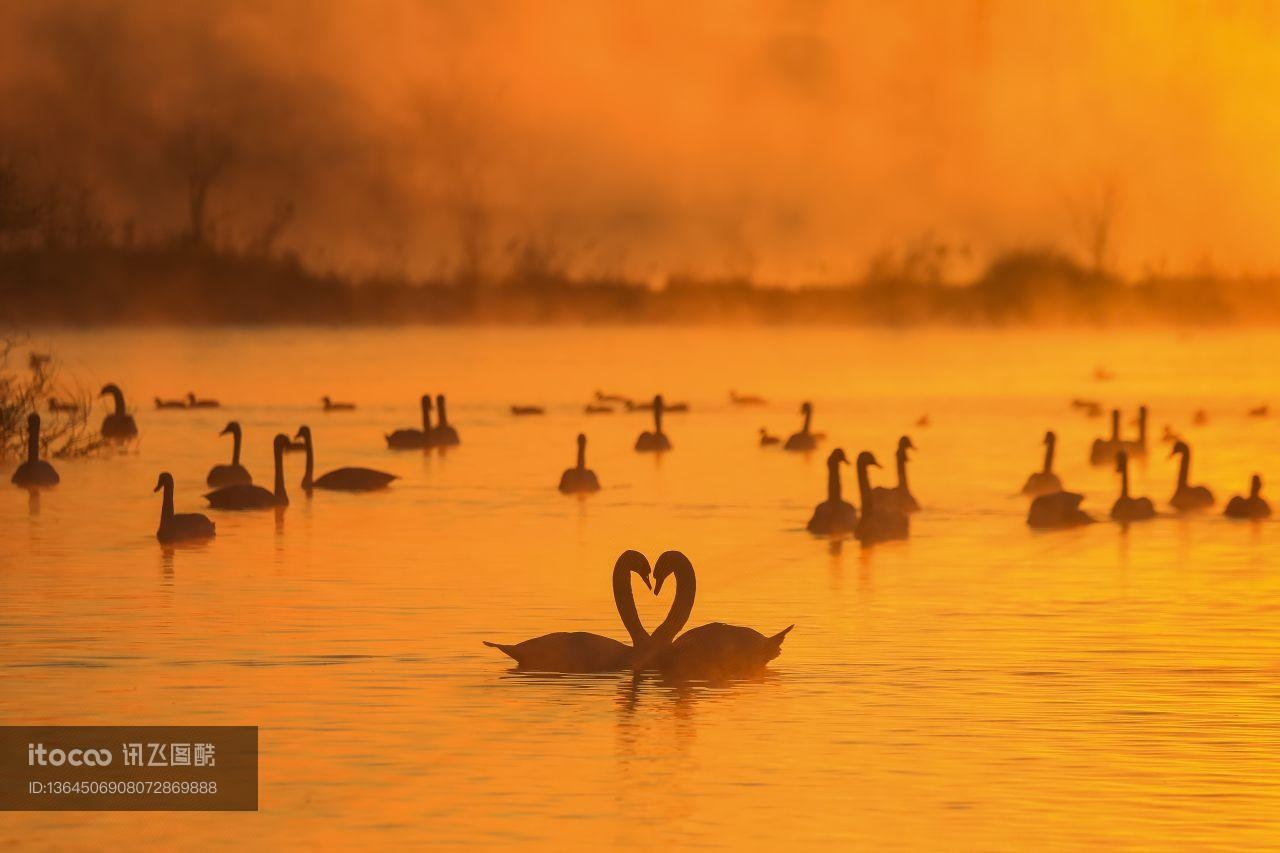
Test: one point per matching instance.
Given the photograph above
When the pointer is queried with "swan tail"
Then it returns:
(509, 651)
(781, 635)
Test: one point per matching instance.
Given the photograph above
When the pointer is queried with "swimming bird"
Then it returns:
(1104, 452)
(340, 479)
(835, 515)
(711, 652)
(581, 652)
(804, 439)
(196, 403)
(923, 421)
(602, 397)
(1138, 447)
(444, 435)
(655, 441)
(1126, 508)
(1200, 418)
(898, 497)
(745, 399)
(647, 406)
(187, 525)
(170, 404)
(1044, 482)
(593, 409)
(878, 523)
(1259, 412)
(1056, 511)
(35, 472)
(767, 440)
(249, 496)
(579, 478)
(1187, 497)
(1253, 506)
(56, 405)
(229, 475)
(118, 425)
(528, 410)
(331, 406)
(414, 439)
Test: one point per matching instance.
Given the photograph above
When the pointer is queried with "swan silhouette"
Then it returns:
(581, 652)
(596, 409)
(1139, 446)
(35, 472)
(899, 497)
(804, 439)
(414, 439)
(177, 528)
(170, 404)
(1126, 508)
(835, 515)
(1187, 497)
(119, 425)
(711, 652)
(602, 397)
(332, 406)
(528, 410)
(56, 405)
(579, 478)
(1057, 511)
(230, 475)
(1103, 452)
(1254, 506)
(341, 479)
(195, 402)
(878, 523)
(1044, 481)
(249, 496)
(444, 435)
(656, 441)
(745, 399)
(767, 440)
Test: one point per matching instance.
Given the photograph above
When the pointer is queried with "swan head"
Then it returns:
(904, 444)
(326, 401)
(1179, 447)
(191, 397)
(1049, 437)
(281, 443)
(668, 564)
(1255, 486)
(866, 459)
(426, 401)
(304, 433)
(658, 401)
(232, 428)
(806, 408)
(33, 422)
(637, 563)
(109, 388)
(165, 482)
(582, 440)
(837, 456)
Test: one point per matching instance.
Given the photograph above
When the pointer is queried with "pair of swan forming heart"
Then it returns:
(710, 652)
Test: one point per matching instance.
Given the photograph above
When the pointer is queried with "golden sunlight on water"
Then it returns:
(978, 686)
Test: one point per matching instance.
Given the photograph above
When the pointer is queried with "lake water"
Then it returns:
(978, 686)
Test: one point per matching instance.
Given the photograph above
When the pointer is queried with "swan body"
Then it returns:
(1044, 481)
(56, 405)
(767, 440)
(878, 523)
(1128, 508)
(119, 425)
(804, 439)
(1103, 452)
(656, 441)
(341, 479)
(582, 652)
(1187, 497)
(899, 498)
(1057, 511)
(170, 404)
(249, 496)
(579, 478)
(602, 397)
(34, 472)
(528, 410)
(230, 475)
(195, 402)
(746, 399)
(444, 435)
(332, 406)
(1254, 506)
(183, 526)
(834, 515)
(414, 439)
(596, 409)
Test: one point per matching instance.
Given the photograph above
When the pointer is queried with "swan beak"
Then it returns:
(156, 489)
(657, 588)
(298, 434)
(647, 583)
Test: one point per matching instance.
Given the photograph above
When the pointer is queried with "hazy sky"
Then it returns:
(786, 139)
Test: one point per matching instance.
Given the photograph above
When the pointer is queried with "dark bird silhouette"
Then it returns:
(176, 528)
(923, 421)
(56, 405)
(1138, 447)
(655, 441)
(1057, 511)
(170, 404)
(414, 439)
(1103, 452)
(594, 409)
(579, 651)
(602, 397)
(1200, 418)
(767, 440)
(1186, 497)
(1259, 412)
(331, 406)
(746, 399)
(835, 515)
(647, 406)
(34, 472)
(899, 497)
(712, 652)
(341, 479)
(1126, 508)
(1253, 506)
(119, 425)
(528, 410)
(444, 435)
(249, 496)
(1044, 481)
(804, 439)
(195, 402)
(230, 475)
(878, 523)
(579, 478)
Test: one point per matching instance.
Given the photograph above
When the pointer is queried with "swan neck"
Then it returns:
(657, 418)
(582, 456)
(625, 601)
(279, 487)
(426, 416)
(311, 460)
(118, 396)
(1142, 427)
(166, 508)
(1184, 469)
(441, 417)
(864, 487)
(1115, 425)
(681, 610)
(833, 481)
(1048, 454)
(808, 416)
(1124, 480)
(235, 446)
(902, 470)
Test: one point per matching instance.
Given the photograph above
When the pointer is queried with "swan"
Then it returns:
(580, 478)
(414, 439)
(767, 440)
(581, 652)
(804, 439)
(341, 479)
(710, 652)
(633, 406)
(331, 406)
(196, 403)
(170, 404)
(657, 440)
(1103, 452)
(746, 399)
(594, 409)
(878, 523)
(835, 515)
(176, 528)
(528, 410)
(119, 424)
(1138, 447)
(444, 435)
(602, 397)
(899, 497)
(1126, 508)
(249, 496)
(1253, 506)
(1044, 481)
(1057, 510)
(56, 405)
(35, 471)
(1187, 497)
(229, 475)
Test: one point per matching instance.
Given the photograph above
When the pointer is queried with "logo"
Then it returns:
(37, 754)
